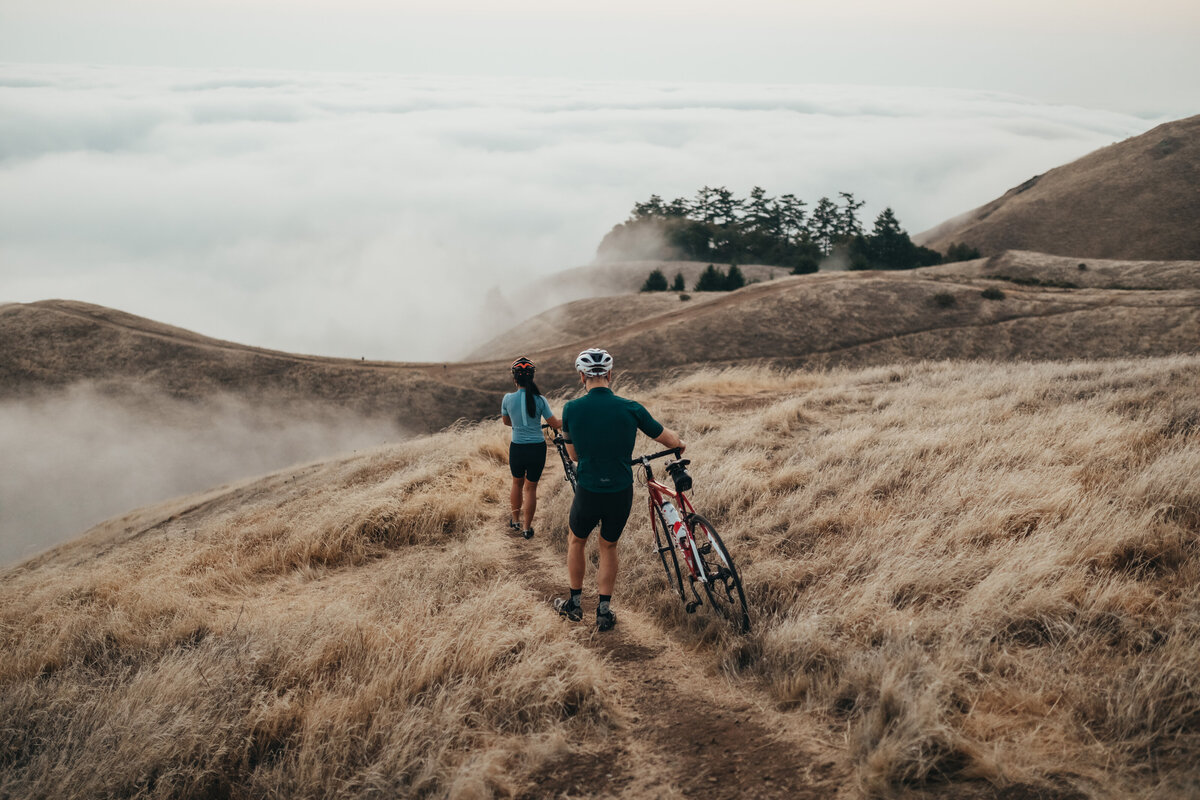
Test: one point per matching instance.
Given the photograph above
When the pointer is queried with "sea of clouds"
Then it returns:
(398, 217)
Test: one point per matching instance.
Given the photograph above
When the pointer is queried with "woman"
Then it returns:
(523, 411)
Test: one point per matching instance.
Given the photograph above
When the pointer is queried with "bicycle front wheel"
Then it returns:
(723, 586)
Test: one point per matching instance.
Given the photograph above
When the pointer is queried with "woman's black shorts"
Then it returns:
(527, 460)
(609, 510)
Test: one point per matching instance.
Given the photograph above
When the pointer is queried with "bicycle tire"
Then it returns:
(572, 476)
(569, 473)
(661, 535)
(724, 587)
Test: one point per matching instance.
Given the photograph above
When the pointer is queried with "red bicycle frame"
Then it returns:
(660, 493)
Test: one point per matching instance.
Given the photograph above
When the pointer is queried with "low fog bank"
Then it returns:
(75, 459)
(377, 216)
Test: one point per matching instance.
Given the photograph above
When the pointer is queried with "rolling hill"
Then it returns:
(56, 343)
(1137, 199)
(966, 580)
(1050, 309)
(865, 318)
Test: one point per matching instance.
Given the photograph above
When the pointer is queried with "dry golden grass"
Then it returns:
(330, 631)
(980, 571)
(965, 578)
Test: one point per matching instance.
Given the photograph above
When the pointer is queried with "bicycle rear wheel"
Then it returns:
(666, 549)
(724, 587)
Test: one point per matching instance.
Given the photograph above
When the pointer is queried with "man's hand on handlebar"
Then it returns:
(671, 439)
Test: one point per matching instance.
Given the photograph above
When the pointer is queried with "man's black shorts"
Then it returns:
(527, 460)
(609, 510)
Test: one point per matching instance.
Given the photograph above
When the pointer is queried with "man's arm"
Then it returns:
(566, 432)
(671, 439)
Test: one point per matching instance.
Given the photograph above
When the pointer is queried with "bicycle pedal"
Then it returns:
(706, 548)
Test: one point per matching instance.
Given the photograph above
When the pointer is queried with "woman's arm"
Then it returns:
(554, 422)
(506, 419)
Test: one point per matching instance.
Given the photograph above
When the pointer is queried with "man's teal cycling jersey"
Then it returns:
(603, 428)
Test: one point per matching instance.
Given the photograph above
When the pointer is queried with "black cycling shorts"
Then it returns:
(609, 510)
(527, 460)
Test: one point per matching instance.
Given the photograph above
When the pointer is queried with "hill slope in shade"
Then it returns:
(1137, 199)
(55, 343)
(965, 580)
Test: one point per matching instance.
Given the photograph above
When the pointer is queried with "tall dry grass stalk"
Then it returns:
(969, 572)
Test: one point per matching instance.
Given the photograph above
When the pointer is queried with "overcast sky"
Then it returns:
(352, 178)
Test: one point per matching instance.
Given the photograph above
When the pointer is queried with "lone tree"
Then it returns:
(655, 282)
(734, 279)
(677, 285)
(711, 280)
(823, 224)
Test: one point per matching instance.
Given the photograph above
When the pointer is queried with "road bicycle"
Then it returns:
(680, 532)
(560, 443)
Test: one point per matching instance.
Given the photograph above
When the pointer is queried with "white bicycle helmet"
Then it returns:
(594, 362)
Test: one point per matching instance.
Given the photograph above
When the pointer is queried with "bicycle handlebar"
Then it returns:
(674, 451)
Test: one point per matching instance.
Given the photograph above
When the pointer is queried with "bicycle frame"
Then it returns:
(659, 492)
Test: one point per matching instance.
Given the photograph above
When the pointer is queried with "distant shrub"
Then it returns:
(655, 282)
(961, 251)
(944, 300)
(806, 265)
(992, 293)
(677, 285)
(685, 296)
(1082, 267)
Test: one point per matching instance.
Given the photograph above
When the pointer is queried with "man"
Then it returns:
(601, 429)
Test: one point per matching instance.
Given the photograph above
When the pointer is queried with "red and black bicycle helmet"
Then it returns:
(523, 368)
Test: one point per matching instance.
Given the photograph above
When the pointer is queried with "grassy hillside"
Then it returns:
(868, 318)
(1134, 199)
(588, 319)
(967, 580)
(1050, 309)
(1040, 269)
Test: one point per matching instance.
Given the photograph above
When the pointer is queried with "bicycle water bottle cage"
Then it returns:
(679, 474)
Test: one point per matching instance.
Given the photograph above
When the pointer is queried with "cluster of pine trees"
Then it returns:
(779, 231)
(711, 280)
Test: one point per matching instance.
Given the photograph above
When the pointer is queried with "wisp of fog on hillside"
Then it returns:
(75, 459)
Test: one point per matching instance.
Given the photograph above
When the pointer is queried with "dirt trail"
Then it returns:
(688, 733)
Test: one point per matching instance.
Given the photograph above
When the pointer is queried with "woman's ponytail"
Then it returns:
(522, 372)
(531, 395)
